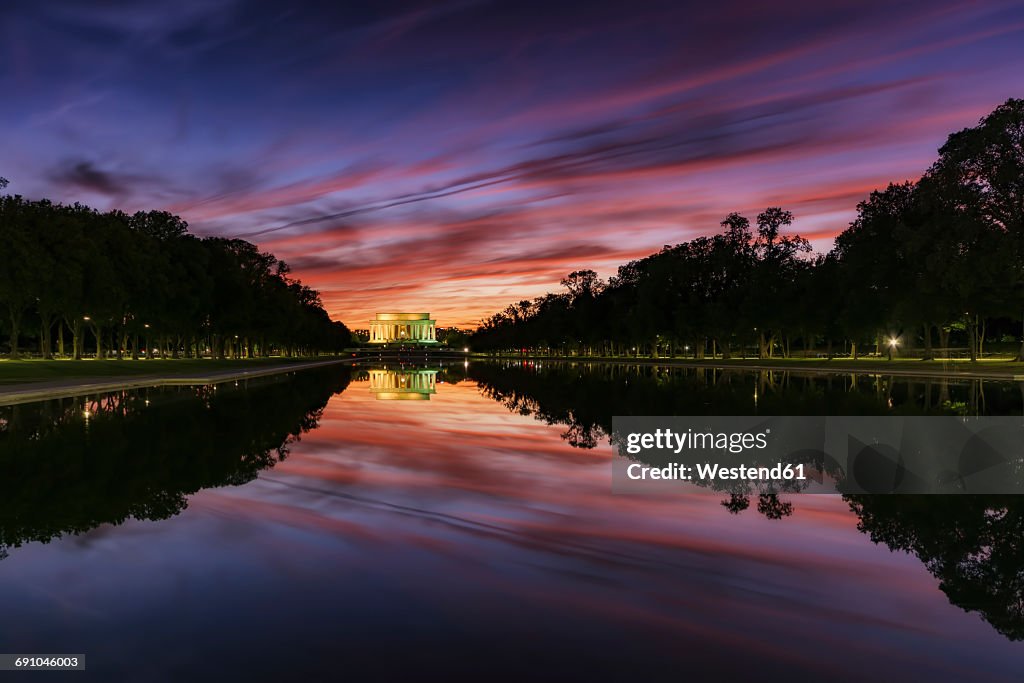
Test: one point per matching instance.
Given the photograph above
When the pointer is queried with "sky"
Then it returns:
(455, 157)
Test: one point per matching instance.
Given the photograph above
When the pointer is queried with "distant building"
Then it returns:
(403, 328)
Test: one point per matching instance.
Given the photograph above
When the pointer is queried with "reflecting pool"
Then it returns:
(456, 521)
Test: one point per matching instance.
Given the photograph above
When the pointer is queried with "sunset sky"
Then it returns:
(454, 157)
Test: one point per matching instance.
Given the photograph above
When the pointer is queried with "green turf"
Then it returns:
(23, 371)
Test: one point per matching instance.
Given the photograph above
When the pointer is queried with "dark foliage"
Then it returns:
(127, 283)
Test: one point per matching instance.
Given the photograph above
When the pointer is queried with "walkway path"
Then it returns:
(994, 369)
(62, 388)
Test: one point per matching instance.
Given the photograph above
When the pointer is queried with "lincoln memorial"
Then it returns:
(402, 328)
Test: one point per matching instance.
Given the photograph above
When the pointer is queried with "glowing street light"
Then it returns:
(893, 343)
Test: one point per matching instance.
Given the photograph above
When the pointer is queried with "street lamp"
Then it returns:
(893, 343)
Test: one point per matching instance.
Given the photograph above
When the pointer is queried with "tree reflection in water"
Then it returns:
(973, 544)
(584, 396)
(70, 465)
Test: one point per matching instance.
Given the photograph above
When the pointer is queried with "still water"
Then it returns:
(456, 522)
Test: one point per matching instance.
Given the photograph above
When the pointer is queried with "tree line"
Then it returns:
(127, 285)
(925, 264)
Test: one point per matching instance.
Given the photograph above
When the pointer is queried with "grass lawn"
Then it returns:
(24, 371)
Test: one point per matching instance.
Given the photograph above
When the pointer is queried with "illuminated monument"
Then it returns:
(402, 328)
(403, 385)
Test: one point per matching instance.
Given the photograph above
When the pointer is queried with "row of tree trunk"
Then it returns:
(770, 345)
(110, 343)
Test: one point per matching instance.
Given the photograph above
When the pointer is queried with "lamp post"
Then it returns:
(893, 343)
(96, 333)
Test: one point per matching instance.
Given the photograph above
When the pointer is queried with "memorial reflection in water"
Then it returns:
(413, 384)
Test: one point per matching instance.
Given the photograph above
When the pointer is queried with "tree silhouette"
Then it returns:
(941, 255)
(736, 503)
(971, 544)
(772, 507)
(122, 281)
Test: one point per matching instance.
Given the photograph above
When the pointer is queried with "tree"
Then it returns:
(123, 277)
(776, 263)
(21, 253)
(980, 170)
(978, 180)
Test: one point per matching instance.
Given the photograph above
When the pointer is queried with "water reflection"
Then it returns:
(408, 381)
(407, 384)
(974, 545)
(69, 465)
(456, 536)
(584, 397)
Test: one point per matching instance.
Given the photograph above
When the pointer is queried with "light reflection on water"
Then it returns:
(464, 535)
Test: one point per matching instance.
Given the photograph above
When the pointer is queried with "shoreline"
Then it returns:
(956, 369)
(1004, 370)
(42, 390)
